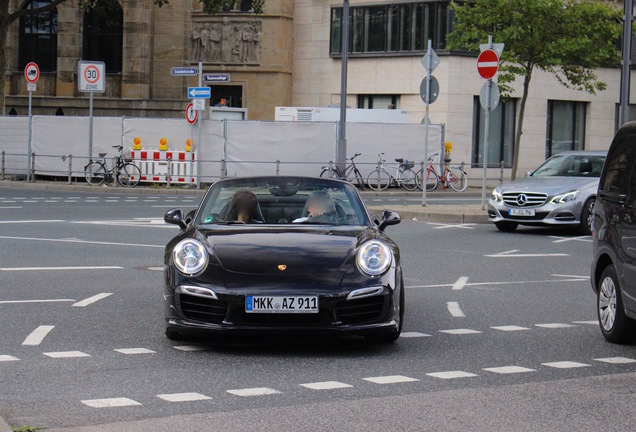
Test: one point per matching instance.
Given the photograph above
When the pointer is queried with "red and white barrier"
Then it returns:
(157, 165)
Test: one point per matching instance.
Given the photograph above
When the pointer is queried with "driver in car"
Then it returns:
(244, 207)
(319, 209)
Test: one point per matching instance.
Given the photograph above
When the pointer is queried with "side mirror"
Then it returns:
(175, 216)
(389, 217)
(374, 218)
(529, 174)
(189, 217)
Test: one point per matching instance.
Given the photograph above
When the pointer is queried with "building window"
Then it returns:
(379, 101)
(566, 127)
(103, 34)
(395, 28)
(501, 134)
(38, 37)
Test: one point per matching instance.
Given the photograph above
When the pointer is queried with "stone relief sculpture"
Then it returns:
(227, 42)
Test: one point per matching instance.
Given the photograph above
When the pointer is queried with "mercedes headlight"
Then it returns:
(190, 257)
(496, 196)
(374, 258)
(566, 197)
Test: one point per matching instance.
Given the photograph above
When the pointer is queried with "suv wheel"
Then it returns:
(506, 226)
(616, 327)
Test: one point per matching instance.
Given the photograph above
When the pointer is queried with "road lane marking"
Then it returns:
(135, 351)
(31, 221)
(460, 331)
(189, 348)
(554, 325)
(38, 335)
(455, 310)
(459, 283)
(510, 328)
(565, 365)
(10, 207)
(390, 379)
(413, 335)
(183, 397)
(8, 269)
(82, 242)
(512, 254)
(91, 300)
(326, 385)
(6, 358)
(591, 322)
(258, 391)
(509, 369)
(451, 374)
(586, 239)
(155, 268)
(468, 226)
(570, 276)
(66, 354)
(36, 301)
(110, 402)
(472, 284)
(616, 360)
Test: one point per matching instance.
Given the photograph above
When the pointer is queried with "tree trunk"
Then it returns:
(519, 131)
(4, 29)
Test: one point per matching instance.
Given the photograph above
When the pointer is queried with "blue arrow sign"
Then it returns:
(199, 92)
(217, 77)
(183, 71)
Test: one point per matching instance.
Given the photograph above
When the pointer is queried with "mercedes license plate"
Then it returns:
(521, 212)
(281, 304)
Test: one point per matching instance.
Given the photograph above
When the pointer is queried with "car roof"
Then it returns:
(583, 153)
(307, 179)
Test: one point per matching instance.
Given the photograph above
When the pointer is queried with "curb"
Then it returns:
(433, 216)
(4, 426)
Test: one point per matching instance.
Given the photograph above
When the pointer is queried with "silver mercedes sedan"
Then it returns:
(562, 191)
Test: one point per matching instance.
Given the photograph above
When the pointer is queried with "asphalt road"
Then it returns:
(500, 334)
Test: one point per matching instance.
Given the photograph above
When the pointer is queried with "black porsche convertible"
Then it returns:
(283, 254)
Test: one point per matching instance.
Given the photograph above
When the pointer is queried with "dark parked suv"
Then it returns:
(614, 229)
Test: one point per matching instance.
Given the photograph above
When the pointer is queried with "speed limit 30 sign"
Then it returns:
(91, 76)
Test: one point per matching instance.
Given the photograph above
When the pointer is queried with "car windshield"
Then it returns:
(282, 200)
(571, 166)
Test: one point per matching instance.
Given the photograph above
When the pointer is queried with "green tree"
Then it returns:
(8, 17)
(567, 38)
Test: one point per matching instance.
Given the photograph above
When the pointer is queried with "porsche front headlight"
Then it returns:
(190, 257)
(566, 197)
(374, 258)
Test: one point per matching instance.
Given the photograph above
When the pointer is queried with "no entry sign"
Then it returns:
(487, 64)
(32, 73)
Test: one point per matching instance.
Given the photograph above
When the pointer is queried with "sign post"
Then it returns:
(487, 66)
(91, 78)
(191, 117)
(32, 74)
(429, 90)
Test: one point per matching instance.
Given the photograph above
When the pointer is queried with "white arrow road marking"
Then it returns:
(459, 284)
(38, 335)
(91, 300)
(455, 310)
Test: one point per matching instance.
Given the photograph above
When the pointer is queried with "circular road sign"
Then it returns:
(487, 64)
(494, 96)
(434, 90)
(32, 73)
(91, 74)
(191, 113)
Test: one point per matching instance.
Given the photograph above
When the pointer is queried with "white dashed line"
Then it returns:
(509, 369)
(37, 336)
(82, 241)
(66, 354)
(31, 221)
(9, 207)
(591, 322)
(455, 310)
(6, 358)
(570, 276)
(110, 403)
(390, 379)
(36, 301)
(451, 374)
(155, 268)
(135, 351)
(459, 284)
(258, 391)
(326, 385)
(189, 348)
(510, 328)
(460, 331)
(565, 365)
(554, 325)
(92, 299)
(60, 268)
(616, 360)
(183, 397)
(413, 335)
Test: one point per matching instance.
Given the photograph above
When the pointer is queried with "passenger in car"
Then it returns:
(244, 208)
(319, 209)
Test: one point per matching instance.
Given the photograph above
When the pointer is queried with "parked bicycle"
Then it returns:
(127, 173)
(454, 177)
(350, 173)
(380, 178)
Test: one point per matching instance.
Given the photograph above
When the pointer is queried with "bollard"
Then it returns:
(2, 166)
(223, 168)
(277, 168)
(32, 167)
(169, 173)
(70, 169)
(501, 173)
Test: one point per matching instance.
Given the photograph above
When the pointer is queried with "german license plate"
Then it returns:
(281, 304)
(521, 212)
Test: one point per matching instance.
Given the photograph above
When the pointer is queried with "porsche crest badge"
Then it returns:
(282, 267)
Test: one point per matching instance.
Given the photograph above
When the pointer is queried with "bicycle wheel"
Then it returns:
(328, 173)
(431, 180)
(408, 179)
(379, 180)
(95, 173)
(129, 175)
(457, 180)
(359, 179)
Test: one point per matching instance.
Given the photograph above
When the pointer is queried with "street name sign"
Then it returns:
(217, 77)
(183, 71)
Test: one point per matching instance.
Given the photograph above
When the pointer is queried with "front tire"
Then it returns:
(457, 180)
(506, 226)
(408, 179)
(587, 216)
(95, 173)
(129, 175)
(615, 325)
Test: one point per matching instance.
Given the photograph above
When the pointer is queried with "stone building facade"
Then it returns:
(256, 50)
